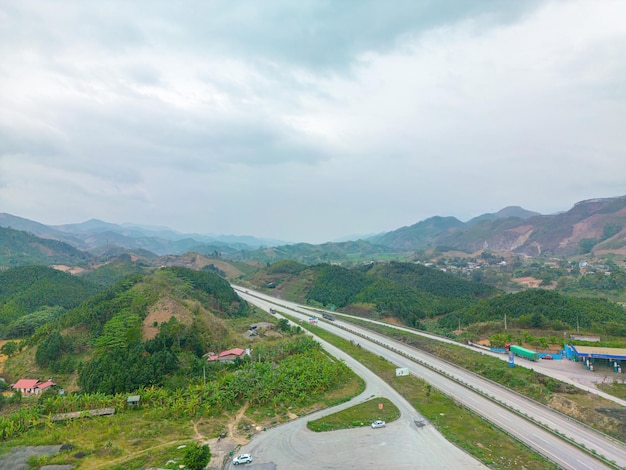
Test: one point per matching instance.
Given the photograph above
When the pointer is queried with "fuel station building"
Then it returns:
(589, 355)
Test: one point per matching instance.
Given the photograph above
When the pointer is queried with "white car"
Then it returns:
(243, 458)
(378, 424)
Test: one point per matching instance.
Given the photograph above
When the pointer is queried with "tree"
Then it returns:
(9, 348)
(197, 457)
(50, 349)
(283, 324)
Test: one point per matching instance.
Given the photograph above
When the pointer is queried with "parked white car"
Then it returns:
(243, 458)
(378, 424)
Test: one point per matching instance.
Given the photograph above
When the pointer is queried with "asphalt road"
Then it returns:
(408, 443)
(535, 436)
(560, 370)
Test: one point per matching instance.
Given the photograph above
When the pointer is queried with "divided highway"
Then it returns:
(407, 443)
(508, 410)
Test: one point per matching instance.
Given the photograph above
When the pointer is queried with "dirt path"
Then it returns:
(220, 447)
(233, 426)
(140, 452)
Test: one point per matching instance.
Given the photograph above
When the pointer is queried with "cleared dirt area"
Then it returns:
(161, 312)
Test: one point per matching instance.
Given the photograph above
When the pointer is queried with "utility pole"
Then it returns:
(505, 320)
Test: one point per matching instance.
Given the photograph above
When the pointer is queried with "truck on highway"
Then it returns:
(328, 316)
(523, 352)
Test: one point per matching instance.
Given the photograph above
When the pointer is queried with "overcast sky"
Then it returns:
(308, 120)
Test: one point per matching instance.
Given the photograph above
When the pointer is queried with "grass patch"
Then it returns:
(100, 442)
(459, 425)
(357, 416)
(616, 389)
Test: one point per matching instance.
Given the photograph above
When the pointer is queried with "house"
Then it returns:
(228, 356)
(42, 387)
(133, 400)
(32, 386)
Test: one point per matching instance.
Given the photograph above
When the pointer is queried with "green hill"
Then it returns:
(314, 254)
(147, 329)
(116, 269)
(31, 291)
(545, 309)
(406, 291)
(19, 248)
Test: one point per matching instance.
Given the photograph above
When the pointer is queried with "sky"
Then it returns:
(308, 120)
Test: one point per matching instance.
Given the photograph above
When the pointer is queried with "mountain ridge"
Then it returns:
(593, 226)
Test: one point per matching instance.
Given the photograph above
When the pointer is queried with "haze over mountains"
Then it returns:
(593, 226)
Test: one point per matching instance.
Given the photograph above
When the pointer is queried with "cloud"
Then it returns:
(307, 120)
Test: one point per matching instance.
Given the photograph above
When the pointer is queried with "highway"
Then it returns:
(498, 410)
(408, 443)
(546, 368)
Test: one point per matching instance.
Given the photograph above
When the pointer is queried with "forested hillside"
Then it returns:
(115, 269)
(33, 295)
(313, 254)
(147, 329)
(414, 293)
(544, 309)
(406, 291)
(19, 248)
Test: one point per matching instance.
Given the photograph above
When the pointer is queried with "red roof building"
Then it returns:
(228, 356)
(31, 386)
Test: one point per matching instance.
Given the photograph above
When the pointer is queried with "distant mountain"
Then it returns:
(18, 248)
(313, 254)
(508, 212)
(593, 226)
(41, 230)
(596, 226)
(96, 236)
(421, 235)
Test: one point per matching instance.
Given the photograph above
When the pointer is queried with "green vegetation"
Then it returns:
(416, 295)
(18, 248)
(305, 253)
(116, 358)
(197, 456)
(616, 389)
(407, 291)
(286, 267)
(101, 340)
(539, 308)
(115, 270)
(33, 295)
(357, 416)
(334, 285)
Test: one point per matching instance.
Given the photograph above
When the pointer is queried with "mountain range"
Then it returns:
(94, 236)
(594, 226)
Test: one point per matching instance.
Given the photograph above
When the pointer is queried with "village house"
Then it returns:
(229, 355)
(32, 386)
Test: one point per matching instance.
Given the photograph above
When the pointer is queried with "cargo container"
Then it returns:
(523, 352)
